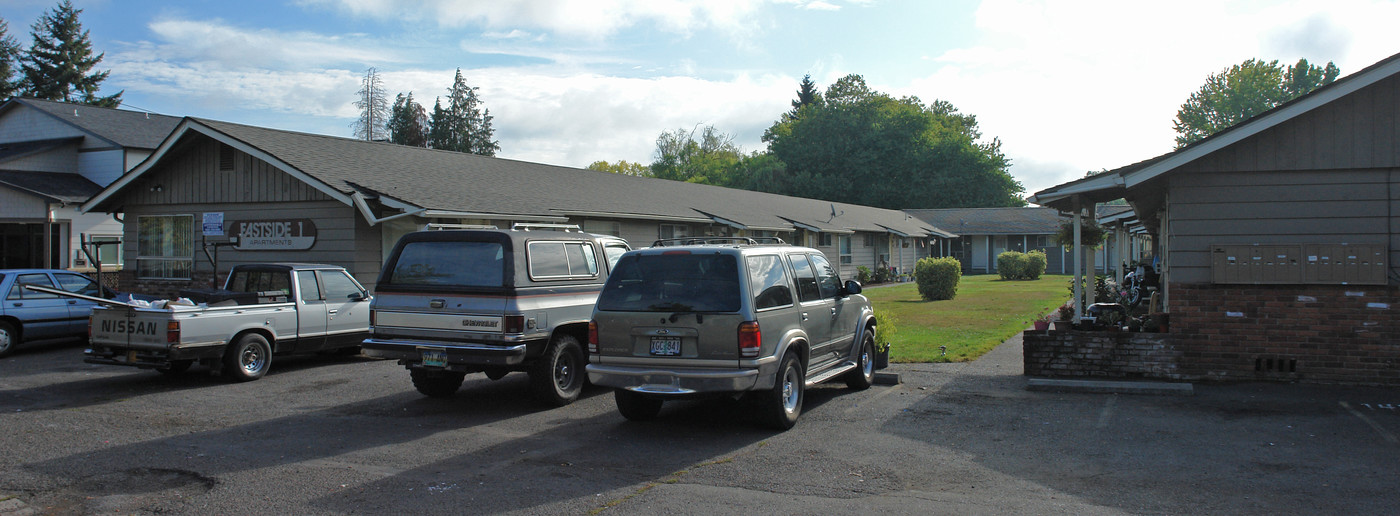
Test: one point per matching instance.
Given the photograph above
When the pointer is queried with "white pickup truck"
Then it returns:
(264, 310)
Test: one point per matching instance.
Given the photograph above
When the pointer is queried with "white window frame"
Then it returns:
(675, 230)
(844, 251)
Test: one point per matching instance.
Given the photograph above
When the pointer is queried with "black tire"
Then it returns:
(864, 375)
(248, 359)
(436, 384)
(557, 376)
(175, 367)
(9, 338)
(782, 405)
(636, 407)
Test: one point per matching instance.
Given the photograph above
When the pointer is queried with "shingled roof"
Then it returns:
(418, 179)
(58, 187)
(992, 221)
(123, 128)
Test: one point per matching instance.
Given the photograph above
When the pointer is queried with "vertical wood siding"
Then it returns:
(192, 176)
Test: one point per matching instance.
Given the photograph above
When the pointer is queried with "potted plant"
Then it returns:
(885, 329)
(1066, 317)
(1042, 323)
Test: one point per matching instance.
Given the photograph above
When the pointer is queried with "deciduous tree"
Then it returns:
(1242, 91)
(623, 167)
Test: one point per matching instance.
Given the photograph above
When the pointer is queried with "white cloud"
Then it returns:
(592, 19)
(1094, 85)
(233, 47)
(821, 6)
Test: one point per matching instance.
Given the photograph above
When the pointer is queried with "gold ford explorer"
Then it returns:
(731, 317)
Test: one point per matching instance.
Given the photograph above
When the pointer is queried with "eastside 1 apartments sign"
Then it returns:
(273, 235)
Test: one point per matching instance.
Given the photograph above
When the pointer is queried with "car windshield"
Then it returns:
(673, 283)
(449, 263)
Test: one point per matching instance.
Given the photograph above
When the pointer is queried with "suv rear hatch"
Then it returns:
(662, 306)
(446, 286)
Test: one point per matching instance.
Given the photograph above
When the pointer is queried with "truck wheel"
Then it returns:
(636, 407)
(175, 367)
(436, 384)
(782, 405)
(249, 359)
(557, 376)
(8, 338)
(864, 374)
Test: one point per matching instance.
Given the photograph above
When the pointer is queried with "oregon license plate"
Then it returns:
(666, 346)
(434, 357)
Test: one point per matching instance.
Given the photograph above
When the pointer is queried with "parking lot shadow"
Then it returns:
(1232, 449)
(84, 385)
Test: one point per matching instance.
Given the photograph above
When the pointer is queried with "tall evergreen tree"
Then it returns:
(408, 122)
(464, 126)
(807, 95)
(9, 59)
(440, 128)
(373, 123)
(57, 64)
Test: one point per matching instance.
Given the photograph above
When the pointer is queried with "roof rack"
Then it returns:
(530, 226)
(438, 225)
(671, 242)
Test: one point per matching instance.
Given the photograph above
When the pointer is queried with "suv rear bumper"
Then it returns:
(409, 352)
(675, 382)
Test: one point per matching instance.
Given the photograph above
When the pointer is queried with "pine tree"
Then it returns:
(464, 126)
(373, 123)
(807, 95)
(9, 58)
(440, 128)
(57, 64)
(408, 122)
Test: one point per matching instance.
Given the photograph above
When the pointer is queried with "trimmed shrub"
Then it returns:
(938, 278)
(1011, 265)
(885, 329)
(863, 274)
(1035, 264)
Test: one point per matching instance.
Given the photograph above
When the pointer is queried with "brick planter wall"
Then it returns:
(1100, 354)
(1309, 333)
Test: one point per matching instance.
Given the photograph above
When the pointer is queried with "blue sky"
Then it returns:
(1067, 86)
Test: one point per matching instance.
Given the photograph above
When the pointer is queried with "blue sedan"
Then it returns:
(27, 315)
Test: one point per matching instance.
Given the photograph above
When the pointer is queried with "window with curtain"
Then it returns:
(166, 246)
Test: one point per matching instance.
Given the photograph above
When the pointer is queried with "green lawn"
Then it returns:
(986, 312)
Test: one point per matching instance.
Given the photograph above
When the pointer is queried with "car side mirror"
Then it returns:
(852, 288)
(359, 297)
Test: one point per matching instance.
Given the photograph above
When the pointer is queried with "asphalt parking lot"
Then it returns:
(335, 435)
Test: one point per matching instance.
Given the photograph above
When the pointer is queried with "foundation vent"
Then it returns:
(1275, 365)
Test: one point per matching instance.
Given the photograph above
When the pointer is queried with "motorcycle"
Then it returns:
(1140, 283)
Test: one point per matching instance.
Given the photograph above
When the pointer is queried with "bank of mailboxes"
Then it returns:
(1329, 264)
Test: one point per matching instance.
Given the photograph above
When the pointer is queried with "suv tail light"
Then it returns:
(89, 328)
(172, 331)
(593, 337)
(514, 324)
(750, 339)
(373, 314)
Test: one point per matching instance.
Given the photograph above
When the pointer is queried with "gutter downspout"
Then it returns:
(359, 199)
